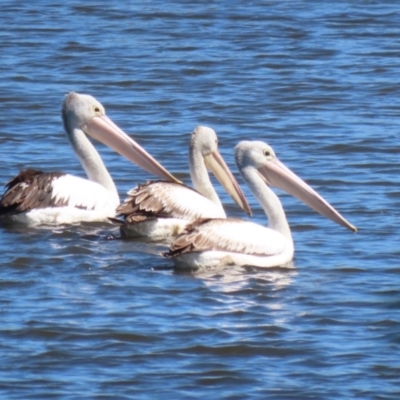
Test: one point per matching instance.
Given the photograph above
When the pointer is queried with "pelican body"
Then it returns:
(161, 209)
(218, 242)
(34, 197)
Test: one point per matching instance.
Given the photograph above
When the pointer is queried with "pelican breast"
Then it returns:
(33, 189)
(231, 235)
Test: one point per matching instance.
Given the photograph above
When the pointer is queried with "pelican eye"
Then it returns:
(96, 109)
(267, 153)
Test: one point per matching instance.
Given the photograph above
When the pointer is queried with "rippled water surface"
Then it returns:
(86, 315)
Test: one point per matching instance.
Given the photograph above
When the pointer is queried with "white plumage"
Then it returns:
(213, 243)
(81, 193)
(35, 198)
(160, 209)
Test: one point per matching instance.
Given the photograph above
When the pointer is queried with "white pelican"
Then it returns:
(218, 242)
(34, 197)
(161, 209)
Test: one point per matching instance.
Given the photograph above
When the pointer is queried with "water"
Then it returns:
(86, 316)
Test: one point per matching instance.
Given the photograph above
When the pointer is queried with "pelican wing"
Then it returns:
(160, 199)
(231, 235)
(34, 189)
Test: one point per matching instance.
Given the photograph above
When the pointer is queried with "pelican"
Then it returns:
(218, 242)
(161, 209)
(35, 198)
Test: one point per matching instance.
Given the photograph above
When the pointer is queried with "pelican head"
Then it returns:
(81, 112)
(261, 156)
(204, 141)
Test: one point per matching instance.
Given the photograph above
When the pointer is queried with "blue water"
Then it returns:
(86, 315)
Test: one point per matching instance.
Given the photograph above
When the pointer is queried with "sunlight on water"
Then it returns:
(86, 315)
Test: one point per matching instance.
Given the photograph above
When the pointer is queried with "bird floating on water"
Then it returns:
(219, 242)
(38, 198)
(159, 209)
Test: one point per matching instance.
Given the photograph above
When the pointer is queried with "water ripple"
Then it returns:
(87, 315)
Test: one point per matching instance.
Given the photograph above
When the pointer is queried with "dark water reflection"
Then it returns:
(86, 315)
